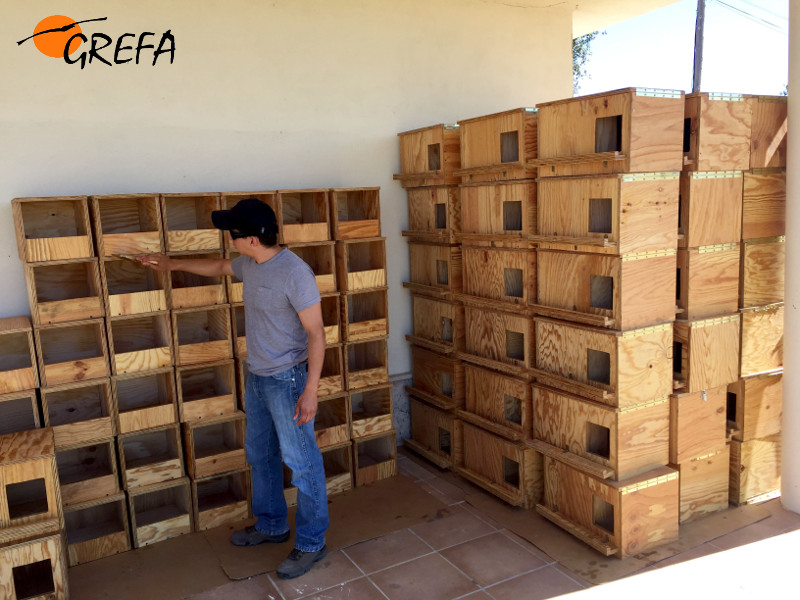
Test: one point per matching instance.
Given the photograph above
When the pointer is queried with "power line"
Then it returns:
(769, 12)
(752, 17)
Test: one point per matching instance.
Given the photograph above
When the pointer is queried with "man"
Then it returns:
(286, 349)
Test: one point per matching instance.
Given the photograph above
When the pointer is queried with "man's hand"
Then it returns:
(306, 408)
(207, 267)
(157, 262)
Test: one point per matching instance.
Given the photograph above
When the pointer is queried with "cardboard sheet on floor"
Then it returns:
(168, 570)
(197, 562)
(357, 515)
(586, 562)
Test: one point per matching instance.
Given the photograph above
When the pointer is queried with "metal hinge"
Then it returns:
(716, 174)
(532, 110)
(648, 404)
(716, 248)
(705, 456)
(626, 335)
(726, 96)
(649, 483)
(778, 239)
(649, 254)
(663, 176)
(658, 93)
(451, 127)
(767, 308)
(715, 321)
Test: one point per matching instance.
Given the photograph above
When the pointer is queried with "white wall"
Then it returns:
(790, 444)
(262, 95)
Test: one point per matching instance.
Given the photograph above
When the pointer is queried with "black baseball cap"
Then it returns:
(250, 216)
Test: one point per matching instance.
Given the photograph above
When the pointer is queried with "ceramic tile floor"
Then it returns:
(463, 555)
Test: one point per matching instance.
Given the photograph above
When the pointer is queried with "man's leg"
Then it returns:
(264, 456)
(301, 454)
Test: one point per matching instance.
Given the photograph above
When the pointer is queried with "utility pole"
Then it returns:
(698, 45)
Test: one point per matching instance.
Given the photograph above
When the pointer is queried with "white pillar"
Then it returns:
(790, 472)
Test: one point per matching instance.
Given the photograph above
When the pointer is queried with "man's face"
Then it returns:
(239, 242)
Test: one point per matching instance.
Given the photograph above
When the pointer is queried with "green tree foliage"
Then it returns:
(581, 51)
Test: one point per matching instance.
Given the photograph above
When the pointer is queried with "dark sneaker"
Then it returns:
(250, 536)
(299, 562)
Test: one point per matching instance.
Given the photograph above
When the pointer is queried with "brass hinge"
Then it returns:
(662, 176)
(649, 483)
(705, 456)
(716, 174)
(715, 321)
(775, 99)
(633, 333)
(716, 248)
(726, 96)
(648, 404)
(778, 239)
(649, 254)
(658, 93)
(767, 308)
(767, 171)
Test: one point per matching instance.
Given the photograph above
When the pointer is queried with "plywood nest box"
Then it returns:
(633, 130)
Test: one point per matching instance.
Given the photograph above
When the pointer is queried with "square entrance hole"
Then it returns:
(687, 135)
(442, 273)
(512, 279)
(677, 358)
(511, 472)
(33, 580)
(598, 366)
(598, 440)
(446, 384)
(447, 329)
(608, 134)
(601, 292)
(731, 407)
(509, 146)
(434, 157)
(603, 514)
(599, 215)
(26, 498)
(512, 215)
(444, 441)
(515, 345)
(440, 215)
(512, 409)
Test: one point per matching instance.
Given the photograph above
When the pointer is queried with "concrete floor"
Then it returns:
(467, 555)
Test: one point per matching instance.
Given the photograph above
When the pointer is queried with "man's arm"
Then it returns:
(207, 267)
(311, 318)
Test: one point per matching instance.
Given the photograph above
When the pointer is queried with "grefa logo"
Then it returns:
(62, 37)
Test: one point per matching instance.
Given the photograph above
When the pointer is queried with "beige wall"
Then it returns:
(262, 95)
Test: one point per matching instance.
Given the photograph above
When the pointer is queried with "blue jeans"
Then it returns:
(272, 436)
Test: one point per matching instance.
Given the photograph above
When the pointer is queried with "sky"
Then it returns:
(743, 53)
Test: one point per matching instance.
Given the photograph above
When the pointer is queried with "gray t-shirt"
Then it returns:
(274, 292)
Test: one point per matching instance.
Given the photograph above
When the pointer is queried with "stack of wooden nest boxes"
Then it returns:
(32, 549)
(429, 159)
(755, 400)
(141, 373)
(583, 224)
(707, 334)
(608, 214)
(473, 277)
